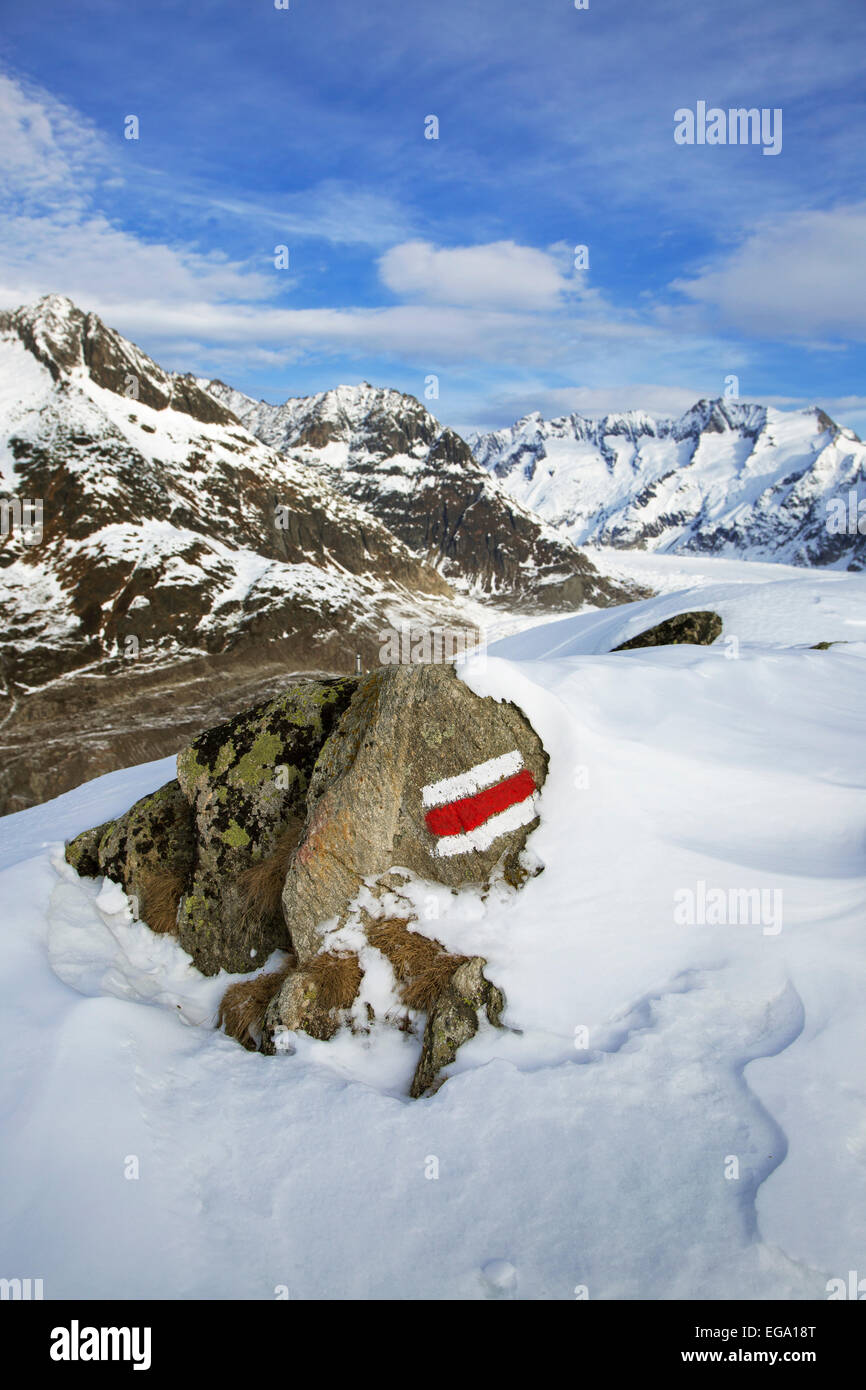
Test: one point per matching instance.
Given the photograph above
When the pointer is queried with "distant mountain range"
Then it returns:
(183, 565)
(726, 478)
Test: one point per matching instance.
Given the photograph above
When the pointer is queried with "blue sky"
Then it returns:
(411, 257)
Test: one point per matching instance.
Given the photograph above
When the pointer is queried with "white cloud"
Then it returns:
(97, 264)
(802, 276)
(52, 238)
(425, 335)
(476, 313)
(500, 275)
(46, 149)
(474, 310)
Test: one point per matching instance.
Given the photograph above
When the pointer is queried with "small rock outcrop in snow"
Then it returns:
(285, 819)
(699, 628)
(453, 1020)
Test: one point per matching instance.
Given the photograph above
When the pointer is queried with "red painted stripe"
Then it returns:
(471, 811)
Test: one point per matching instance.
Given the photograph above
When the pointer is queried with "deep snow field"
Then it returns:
(675, 1109)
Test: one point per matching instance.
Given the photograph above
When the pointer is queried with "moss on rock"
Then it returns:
(240, 787)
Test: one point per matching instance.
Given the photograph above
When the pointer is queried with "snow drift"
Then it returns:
(674, 1108)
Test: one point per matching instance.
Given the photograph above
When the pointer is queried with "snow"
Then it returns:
(150, 463)
(740, 479)
(671, 1111)
(21, 377)
(798, 611)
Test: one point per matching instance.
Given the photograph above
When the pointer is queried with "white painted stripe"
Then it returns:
(483, 836)
(475, 780)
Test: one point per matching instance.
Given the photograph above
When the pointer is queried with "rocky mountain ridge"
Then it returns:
(726, 478)
(168, 541)
(386, 452)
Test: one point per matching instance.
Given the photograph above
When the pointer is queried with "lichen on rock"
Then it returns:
(246, 783)
(154, 839)
(238, 803)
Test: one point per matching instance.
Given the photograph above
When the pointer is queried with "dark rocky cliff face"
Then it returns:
(63, 337)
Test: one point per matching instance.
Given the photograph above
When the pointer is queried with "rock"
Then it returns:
(207, 854)
(83, 852)
(453, 1020)
(407, 729)
(280, 816)
(149, 850)
(699, 628)
(246, 781)
(315, 999)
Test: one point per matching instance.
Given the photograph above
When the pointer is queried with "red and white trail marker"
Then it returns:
(468, 812)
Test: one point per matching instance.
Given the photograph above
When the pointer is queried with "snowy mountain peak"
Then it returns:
(720, 415)
(69, 341)
(727, 477)
(53, 328)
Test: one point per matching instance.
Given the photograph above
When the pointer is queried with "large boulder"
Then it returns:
(420, 773)
(287, 824)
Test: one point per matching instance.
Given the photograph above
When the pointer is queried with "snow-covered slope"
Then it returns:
(161, 514)
(727, 478)
(385, 451)
(169, 534)
(675, 1108)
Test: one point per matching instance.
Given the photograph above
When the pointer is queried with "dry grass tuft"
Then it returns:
(336, 979)
(161, 891)
(244, 1005)
(261, 885)
(421, 965)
